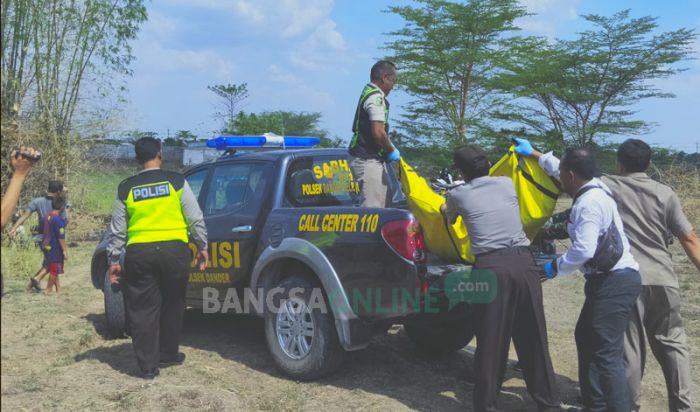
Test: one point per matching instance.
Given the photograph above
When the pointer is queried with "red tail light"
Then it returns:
(424, 287)
(406, 238)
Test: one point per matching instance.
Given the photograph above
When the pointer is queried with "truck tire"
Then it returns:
(436, 336)
(115, 310)
(303, 341)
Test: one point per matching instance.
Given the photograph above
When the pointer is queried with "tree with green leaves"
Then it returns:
(185, 136)
(49, 51)
(578, 91)
(284, 123)
(448, 55)
(133, 135)
(49, 47)
(232, 95)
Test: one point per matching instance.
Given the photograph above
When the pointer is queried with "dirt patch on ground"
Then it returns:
(55, 357)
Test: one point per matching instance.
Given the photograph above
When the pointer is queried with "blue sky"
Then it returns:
(315, 55)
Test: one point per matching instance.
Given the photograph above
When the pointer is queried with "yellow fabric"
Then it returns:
(156, 219)
(536, 207)
(425, 206)
(451, 242)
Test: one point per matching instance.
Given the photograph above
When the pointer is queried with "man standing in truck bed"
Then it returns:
(370, 147)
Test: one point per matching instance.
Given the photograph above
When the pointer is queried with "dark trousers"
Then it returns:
(516, 312)
(156, 277)
(600, 335)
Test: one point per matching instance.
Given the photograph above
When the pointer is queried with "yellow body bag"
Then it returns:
(536, 191)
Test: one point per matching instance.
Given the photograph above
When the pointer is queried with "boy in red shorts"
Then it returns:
(54, 244)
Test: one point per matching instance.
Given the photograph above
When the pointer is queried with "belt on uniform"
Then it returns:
(506, 251)
(597, 275)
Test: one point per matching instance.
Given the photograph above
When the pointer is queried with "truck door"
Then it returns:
(234, 204)
(196, 179)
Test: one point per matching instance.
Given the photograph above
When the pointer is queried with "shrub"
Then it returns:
(684, 179)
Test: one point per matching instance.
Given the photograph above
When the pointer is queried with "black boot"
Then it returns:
(179, 359)
(151, 373)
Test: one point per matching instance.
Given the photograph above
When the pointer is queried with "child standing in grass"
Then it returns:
(54, 243)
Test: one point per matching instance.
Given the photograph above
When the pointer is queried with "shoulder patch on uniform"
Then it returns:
(152, 191)
(176, 179)
(123, 189)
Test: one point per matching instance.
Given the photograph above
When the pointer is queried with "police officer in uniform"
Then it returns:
(490, 210)
(370, 147)
(152, 214)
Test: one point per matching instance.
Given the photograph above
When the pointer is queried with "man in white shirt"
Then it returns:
(370, 148)
(601, 251)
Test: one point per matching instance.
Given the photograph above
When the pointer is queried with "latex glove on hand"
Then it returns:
(549, 271)
(523, 147)
(394, 156)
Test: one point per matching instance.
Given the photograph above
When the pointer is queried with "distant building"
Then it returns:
(125, 152)
(113, 152)
(197, 153)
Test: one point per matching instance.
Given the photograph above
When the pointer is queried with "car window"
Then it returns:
(196, 181)
(237, 187)
(321, 181)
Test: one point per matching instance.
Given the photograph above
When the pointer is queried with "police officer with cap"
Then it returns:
(152, 215)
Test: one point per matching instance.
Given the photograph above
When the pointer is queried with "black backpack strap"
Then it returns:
(586, 189)
(610, 245)
(531, 179)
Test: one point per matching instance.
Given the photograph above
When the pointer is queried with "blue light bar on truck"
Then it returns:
(267, 140)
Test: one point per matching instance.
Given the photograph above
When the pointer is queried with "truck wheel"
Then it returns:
(438, 336)
(115, 310)
(303, 341)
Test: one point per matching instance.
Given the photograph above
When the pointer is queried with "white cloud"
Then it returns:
(296, 88)
(322, 48)
(288, 18)
(315, 43)
(283, 41)
(159, 25)
(310, 98)
(155, 58)
(277, 74)
(547, 14)
(156, 54)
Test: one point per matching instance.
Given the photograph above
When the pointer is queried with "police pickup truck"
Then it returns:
(288, 243)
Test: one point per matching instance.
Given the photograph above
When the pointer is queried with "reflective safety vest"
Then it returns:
(363, 144)
(537, 197)
(152, 200)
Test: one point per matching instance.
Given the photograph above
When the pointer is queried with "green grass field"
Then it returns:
(94, 192)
